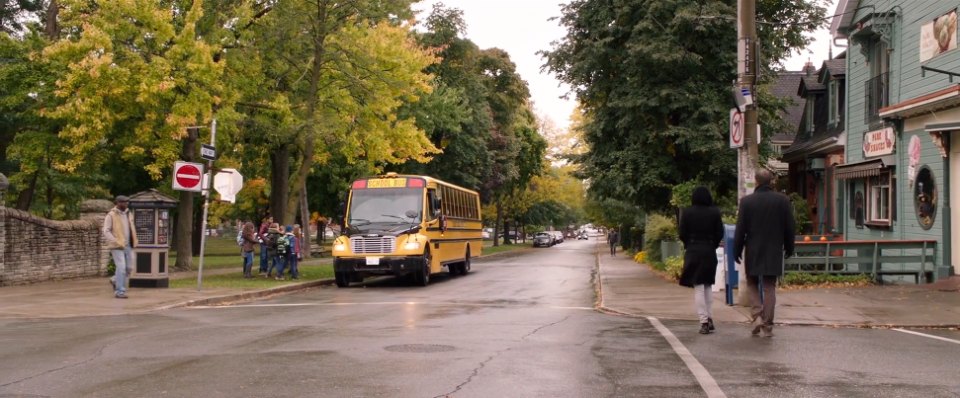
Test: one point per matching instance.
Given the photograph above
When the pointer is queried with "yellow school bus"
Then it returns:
(407, 225)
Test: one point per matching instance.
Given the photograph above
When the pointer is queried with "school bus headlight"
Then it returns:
(411, 246)
(339, 247)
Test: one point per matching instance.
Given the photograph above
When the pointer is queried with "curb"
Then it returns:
(246, 296)
(600, 307)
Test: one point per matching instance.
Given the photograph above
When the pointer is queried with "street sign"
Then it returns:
(208, 152)
(187, 176)
(227, 183)
(736, 128)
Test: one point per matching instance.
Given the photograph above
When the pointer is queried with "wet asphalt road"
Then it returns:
(518, 326)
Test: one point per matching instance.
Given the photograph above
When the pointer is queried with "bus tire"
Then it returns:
(422, 275)
(341, 278)
(465, 266)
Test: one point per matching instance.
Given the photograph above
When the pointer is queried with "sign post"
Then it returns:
(206, 205)
(748, 156)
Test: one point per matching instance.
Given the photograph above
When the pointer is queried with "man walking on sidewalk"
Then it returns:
(613, 238)
(765, 226)
(121, 238)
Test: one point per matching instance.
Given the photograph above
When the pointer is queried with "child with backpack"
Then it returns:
(293, 259)
(272, 240)
(284, 247)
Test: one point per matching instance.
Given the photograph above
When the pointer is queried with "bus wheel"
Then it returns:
(465, 266)
(422, 276)
(342, 279)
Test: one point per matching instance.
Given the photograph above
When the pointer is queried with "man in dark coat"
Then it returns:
(765, 226)
(613, 238)
(701, 230)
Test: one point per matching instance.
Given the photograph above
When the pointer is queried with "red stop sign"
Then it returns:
(187, 176)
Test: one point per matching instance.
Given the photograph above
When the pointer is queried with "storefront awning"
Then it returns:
(935, 127)
(867, 168)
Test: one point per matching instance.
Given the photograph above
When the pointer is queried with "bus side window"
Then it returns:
(434, 204)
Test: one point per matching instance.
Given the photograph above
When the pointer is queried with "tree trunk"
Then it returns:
(25, 197)
(305, 222)
(316, 73)
(183, 231)
(50, 26)
(496, 225)
(279, 178)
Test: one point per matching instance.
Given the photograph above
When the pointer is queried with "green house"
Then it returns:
(902, 165)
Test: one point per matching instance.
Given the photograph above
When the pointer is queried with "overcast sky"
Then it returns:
(523, 27)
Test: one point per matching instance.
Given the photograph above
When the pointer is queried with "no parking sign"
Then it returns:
(736, 128)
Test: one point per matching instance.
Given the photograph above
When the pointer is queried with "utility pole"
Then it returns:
(748, 155)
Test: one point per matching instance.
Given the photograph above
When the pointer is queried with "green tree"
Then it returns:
(13, 13)
(333, 75)
(653, 79)
(137, 76)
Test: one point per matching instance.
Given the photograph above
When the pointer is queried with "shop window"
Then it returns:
(925, 198)
(834, 101)
(879, 198)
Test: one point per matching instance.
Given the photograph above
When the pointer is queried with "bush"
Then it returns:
(659, 228)
(801, 214)
(803, 279)
(674, 267)
(640, 257)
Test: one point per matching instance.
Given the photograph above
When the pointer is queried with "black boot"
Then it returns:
(710, 322)
(704, 328)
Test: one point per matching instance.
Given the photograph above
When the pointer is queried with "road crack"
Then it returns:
(476, 371)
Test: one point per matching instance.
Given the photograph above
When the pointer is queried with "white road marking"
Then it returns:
(703, 377)
(378, 303)
(928, 336)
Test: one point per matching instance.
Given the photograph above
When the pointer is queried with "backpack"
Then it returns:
(240, 238)
(283, 244)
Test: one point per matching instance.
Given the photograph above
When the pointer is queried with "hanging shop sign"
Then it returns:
(878, 142)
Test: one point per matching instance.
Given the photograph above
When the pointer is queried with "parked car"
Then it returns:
(557, 236)
(542, 239)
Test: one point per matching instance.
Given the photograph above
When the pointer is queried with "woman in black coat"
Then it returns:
(701, 231)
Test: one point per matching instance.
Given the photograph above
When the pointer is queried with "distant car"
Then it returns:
(583, 236)
(557, 236)
(542, 239)
(485, 234)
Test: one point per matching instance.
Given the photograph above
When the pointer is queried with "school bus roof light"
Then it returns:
(414, 183)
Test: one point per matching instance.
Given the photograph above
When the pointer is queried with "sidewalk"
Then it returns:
(633, 289)
(625, 287)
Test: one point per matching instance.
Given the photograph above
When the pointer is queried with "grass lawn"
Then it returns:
(488, 247)
(222, 253)
(235, 280)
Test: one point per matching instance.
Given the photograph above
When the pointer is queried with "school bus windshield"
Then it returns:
(385, 205)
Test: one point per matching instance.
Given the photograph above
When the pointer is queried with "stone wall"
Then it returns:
(36, 249)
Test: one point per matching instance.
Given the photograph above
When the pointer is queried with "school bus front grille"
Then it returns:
(380, 244)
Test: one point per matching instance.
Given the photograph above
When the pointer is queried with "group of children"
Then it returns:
(280, 249)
